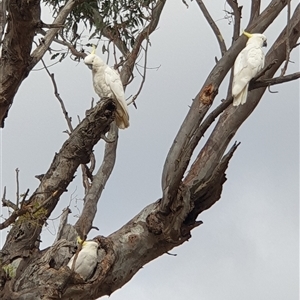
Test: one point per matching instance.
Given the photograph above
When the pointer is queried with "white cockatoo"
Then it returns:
(107, 83)
(86, 260)
(248, 64)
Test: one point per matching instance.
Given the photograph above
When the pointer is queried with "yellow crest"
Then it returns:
(94, 49)
(247, 34)
(79, 240)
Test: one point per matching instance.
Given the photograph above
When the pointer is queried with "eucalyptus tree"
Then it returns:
(189, 184)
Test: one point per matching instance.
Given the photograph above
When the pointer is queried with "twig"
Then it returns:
(12, 218)
(272, 92)
(68, 119)
(4, 193)
(18, 187)
(213, 115)
(62, 223)
(213, 26)
(237, 12)
(115, 55)
(24, 197)
(64, 42)
(44, 202)
(126, 72)
(64, 12)
(288, 50)
(184, 2)
(143, 77)
(273, 81)
(85, 177)
(41, 24)
(8, 203)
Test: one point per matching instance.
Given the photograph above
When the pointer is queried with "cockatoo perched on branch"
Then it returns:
(248, 64)
(86, 260)
(107, 83)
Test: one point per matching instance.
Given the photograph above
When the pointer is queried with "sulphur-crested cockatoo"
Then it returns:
(107, 83)
(86, 260)
(247, 65)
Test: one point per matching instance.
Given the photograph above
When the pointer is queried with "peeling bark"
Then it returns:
(22, 238)
(23, 17)
(159, 227)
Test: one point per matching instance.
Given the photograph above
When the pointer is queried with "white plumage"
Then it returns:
(107, 83)
(86, 260)
(248, 64)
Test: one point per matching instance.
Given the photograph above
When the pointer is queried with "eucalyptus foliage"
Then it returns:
(121, 18)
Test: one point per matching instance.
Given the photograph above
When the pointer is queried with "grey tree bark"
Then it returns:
(27, 272)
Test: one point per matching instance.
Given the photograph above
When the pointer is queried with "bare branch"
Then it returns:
(3, 7)
(288, 49)
(39, 52)
(230, 120)
(131, 58)
(213, 26)
(7, 203)
(85, 221)
(24, 197)
(132, 100)
(17, 45)
(62, 223)
(206, 192)
(18, 187)
(255, 9)
(12, 218)
(74, 51)
(186, 140)
(64, 42)
(57, 95)
(75, 151)
(85, 178)
(264, 70)
(237, 12)
(84, 168)
(273, 81)
(109, 33)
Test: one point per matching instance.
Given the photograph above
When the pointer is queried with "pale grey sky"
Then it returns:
(248, 246)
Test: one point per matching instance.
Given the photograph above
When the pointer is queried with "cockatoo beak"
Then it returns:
(247, 34)
(265, 44)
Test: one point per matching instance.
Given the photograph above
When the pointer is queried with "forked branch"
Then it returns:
(237, 12)
(188, 136)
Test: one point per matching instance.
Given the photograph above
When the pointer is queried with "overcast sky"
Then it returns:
(248, 246)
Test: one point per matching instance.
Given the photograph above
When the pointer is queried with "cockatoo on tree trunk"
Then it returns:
(86, 260)
(248, 64)
(107, 83)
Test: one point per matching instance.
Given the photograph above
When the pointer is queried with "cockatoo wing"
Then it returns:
(247, 65)
(113, 80)
(85, 262)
